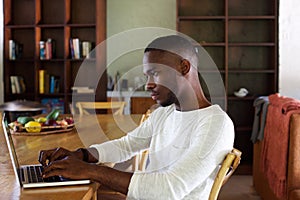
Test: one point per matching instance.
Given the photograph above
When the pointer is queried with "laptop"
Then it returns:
(30, 176)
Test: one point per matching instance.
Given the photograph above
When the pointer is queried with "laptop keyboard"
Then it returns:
(33, 174)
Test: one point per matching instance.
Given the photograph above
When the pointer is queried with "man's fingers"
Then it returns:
(44, 156)
(54, 166)
(52, 155)
(55, 172)
(58, 154)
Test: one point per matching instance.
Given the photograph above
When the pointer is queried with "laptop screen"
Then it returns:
(11, 148)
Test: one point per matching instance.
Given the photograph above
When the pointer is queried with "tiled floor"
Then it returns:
(238, 187)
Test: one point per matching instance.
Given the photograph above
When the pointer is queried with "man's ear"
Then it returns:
(185, 67)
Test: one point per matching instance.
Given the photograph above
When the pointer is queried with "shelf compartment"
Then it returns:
(241, 113)
(251, 31)
(57, 35)
(208, 31)
(213, 84)
(87, 12)
(22, 12)
(256, 84)
(25, 37)
(253, 7)
(217, 54)
(53, 12)
(204, 7)
(22, 69)
(243, 143)
(54, 69)
(251, 57)
(84, 33)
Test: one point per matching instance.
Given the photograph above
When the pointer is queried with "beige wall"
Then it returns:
(124, 15)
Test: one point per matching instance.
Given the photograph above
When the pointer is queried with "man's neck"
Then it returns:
(192, 105)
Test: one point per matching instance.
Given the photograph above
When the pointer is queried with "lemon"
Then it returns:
(33, 127)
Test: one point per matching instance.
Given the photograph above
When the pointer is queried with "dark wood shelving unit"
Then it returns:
(241, 37)
(29, 22)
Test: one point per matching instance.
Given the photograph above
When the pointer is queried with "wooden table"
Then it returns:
(88, 130)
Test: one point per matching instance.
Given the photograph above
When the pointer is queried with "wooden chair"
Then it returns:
(140, 160)
(139, 163)
(117, 108)
(228, 166)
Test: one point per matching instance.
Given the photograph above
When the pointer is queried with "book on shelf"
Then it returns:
(13, 85)
(54, 84)
(15, 50)
(76, 46)
(72, 48)
(86, 48)
(47, 49)
(79, 49)
(42, 50)
(48, 83)
(22, 84)
(53, 103)
(12, 50)
(17, 84)
(42, 81)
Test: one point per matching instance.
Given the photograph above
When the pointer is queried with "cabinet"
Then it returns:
(241, 38)
(28, 22)
(140, 105)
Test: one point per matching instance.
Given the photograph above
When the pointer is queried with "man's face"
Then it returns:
(160, 70)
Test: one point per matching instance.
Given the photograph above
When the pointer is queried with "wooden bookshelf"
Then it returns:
(241, 37)
(31, 21)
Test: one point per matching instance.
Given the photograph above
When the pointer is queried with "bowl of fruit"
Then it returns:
(41, 125)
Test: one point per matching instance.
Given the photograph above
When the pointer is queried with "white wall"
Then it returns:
(289, 48)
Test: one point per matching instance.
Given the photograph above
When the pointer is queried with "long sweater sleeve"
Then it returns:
(122, 149)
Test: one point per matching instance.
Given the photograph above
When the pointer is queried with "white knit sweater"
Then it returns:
(185, 150)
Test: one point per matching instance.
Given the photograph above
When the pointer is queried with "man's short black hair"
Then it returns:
(175, 44)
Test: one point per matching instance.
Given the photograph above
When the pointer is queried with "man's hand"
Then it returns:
(68, 167)
(48, 156)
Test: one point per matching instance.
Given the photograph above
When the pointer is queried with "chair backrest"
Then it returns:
(140, 160)
(228, 166)
(116, 107)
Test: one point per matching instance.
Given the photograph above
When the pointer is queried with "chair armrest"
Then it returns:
(294, 154)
